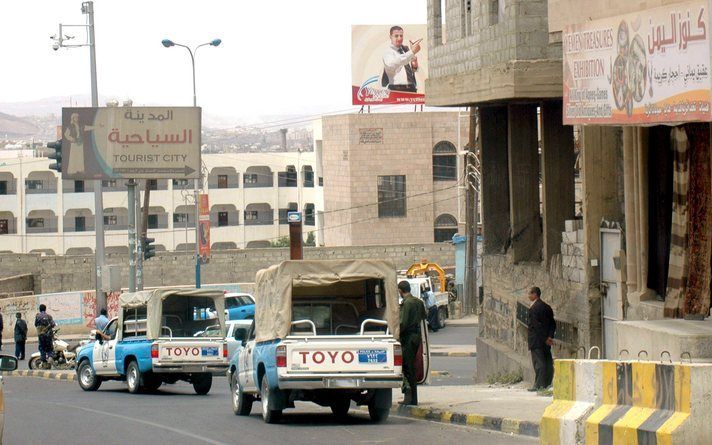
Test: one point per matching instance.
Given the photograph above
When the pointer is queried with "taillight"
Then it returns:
(397, 355)
(225, 350)
(281, 356)
(154, 351)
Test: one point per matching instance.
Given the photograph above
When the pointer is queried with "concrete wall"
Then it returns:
(488, 61)
(17, 284)
(75, 273)
(503, 337)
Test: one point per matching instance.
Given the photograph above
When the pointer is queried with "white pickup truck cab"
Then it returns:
(325, 332)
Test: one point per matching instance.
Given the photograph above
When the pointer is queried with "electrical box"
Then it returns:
(111, 278)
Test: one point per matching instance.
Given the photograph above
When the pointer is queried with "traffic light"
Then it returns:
(57, 155)
(149, 251)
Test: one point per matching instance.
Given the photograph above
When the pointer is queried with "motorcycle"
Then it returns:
(63, 355)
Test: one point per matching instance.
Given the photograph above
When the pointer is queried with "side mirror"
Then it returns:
(8, 363)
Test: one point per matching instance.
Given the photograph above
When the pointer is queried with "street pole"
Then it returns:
(196, 193)
(139, 246)
(88, 8)
(132, 234)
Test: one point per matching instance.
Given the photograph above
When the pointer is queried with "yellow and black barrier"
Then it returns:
(629, 402)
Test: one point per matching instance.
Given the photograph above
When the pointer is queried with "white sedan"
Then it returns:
(232, 327)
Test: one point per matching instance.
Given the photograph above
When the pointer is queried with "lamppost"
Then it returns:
(198, 182)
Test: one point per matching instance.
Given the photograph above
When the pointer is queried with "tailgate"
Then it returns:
(352, 357)
(190, 351)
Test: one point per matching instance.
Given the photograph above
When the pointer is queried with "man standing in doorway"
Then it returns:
(400, 64)
(411, 316)
(540, 339)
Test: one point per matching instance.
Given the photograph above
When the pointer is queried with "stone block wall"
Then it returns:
(18, 284)
(573, 267)
(74, 273)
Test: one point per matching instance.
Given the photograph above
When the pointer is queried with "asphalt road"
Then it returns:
(448, 371)
(43, 411)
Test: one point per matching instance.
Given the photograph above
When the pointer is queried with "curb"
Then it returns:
(461, 325)
(47, 375)
(452, 354)
(501, 424)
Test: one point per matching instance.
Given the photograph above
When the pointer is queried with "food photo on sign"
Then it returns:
(388, 64)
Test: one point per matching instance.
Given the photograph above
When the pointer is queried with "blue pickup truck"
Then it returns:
(324, 332)
(152, 342)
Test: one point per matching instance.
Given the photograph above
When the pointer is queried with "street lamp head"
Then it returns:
(216, 42)
(167, 43)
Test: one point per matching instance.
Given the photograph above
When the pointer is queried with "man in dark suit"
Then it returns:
(540, 338)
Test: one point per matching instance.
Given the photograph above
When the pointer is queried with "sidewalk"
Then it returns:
(509, 409)
(453, 350)
(466, 321)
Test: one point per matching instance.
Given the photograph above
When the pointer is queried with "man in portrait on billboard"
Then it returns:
(400, 63)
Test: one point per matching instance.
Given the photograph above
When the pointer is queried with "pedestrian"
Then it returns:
(101, 321)
(540, 338)
(44, 324)
(1, 327)
(20, 336)
(411, 317)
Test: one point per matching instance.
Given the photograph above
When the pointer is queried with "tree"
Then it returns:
(311, 240)
(280, 242)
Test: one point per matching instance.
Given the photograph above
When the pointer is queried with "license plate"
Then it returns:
(209, 351)
(372, 356)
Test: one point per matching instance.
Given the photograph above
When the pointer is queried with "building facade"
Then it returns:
(249, 195)
(496, 57)
(391, 178)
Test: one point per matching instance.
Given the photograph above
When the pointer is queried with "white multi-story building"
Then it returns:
(249, 194)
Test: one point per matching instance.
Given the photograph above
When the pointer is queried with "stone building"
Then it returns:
(497, 58)
(623, 271)
(391, 178)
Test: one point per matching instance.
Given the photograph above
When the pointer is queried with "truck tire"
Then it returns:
(340, 406)
(202, 383)
(133, 377)
(268, 415)
(241, 402)
(379, 407)
(87, 378)
(442, 316)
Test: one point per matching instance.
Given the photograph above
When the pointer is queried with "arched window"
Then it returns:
(444, 162)
(445, 228)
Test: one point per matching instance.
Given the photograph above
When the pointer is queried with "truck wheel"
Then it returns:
(379, 407)
(133, 378)
(35, 363)
(442, 316)
(202, 383)
(340, 406)
(241, 402)
(268, 415)
(87, 378)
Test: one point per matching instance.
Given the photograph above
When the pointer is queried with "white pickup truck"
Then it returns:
(325, 332)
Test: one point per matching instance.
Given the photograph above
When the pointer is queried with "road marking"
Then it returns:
(145, 422)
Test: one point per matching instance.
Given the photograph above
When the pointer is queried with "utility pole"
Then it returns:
(131, 184)
(471, 208)
(88, 9)
(139, 245)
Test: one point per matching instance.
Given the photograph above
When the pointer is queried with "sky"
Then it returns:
(276, 57)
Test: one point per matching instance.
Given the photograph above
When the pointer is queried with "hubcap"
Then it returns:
(265, 396)
(132, 378)
(87, 377)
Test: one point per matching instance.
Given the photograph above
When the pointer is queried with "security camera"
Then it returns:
(55, 46)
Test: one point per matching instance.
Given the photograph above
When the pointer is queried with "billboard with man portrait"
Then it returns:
(389, 64)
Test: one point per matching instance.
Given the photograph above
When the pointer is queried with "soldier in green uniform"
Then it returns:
(411, 316)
